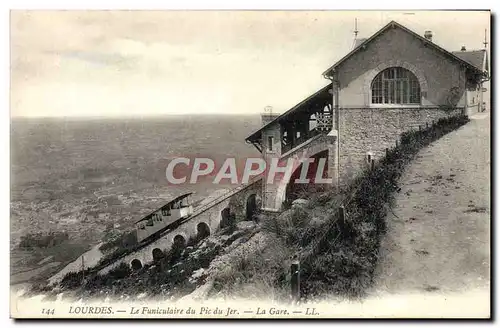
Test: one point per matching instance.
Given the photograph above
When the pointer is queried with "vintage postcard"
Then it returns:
(250, 164)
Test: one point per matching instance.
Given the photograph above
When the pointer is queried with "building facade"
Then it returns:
(394, 81)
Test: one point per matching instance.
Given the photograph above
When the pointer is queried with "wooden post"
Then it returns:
(295, 279)
(397, 143)
(419, 128)
(373, 163)
(426, 125)
(342, 217)
(83, 270)
(386, 152)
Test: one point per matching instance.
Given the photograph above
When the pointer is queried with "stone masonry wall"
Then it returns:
(238, 203)
(375, 129)
(212, 217)
(267, 154)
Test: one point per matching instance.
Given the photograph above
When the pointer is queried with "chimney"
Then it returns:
(463, 48)
(428, 35)
(268, 117)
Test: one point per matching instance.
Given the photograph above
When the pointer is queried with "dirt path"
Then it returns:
(438, 238)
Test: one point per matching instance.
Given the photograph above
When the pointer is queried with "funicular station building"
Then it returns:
(392, 82)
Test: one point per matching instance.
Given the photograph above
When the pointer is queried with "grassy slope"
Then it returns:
(337, 258)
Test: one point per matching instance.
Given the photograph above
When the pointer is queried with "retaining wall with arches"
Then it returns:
(210, 219)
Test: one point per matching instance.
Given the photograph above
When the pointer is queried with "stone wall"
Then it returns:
(275, 193)
(238, 203)
(273, 130)
(375, 129)
(212, 217)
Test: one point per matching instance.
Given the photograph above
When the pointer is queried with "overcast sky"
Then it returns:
(109, 63)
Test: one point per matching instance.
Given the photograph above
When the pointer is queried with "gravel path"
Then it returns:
(438, 238)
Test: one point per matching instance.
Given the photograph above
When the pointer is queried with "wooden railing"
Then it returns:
(323, 128)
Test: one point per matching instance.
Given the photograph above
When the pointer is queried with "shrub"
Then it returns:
(193, 241)
(123, 270)
(73, 280)
(341, 259)
(290, 226)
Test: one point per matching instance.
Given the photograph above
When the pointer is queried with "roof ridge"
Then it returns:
(475, 50)
(290, 110)
(393, 23)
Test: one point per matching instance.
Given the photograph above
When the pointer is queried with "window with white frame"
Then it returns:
(270, 143)
(396, 85)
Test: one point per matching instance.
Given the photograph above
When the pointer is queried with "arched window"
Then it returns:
(312, 122)
(395, 85)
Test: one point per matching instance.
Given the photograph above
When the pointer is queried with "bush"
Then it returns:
(73, 280)
(342, 257)
(229, 223)
(121, 271)
(291, 226)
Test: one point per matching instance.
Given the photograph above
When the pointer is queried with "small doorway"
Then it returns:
(251, 207)
(136, 264)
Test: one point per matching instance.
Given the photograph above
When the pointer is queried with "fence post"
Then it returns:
(397, 143)
(342, 217)
(373, 164)
(295, 279)
(83, 270)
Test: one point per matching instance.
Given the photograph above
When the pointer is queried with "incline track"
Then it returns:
(174, 225)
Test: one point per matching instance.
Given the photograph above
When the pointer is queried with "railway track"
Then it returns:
(174, 225)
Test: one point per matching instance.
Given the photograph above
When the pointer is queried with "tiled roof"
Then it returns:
(474, 57)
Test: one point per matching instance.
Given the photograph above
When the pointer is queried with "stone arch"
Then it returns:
(251, 206)
(157, 254)
(419, 74)
(313, 149)
(179, 241)
(296, 190)
(136, 264)
(202, 230)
